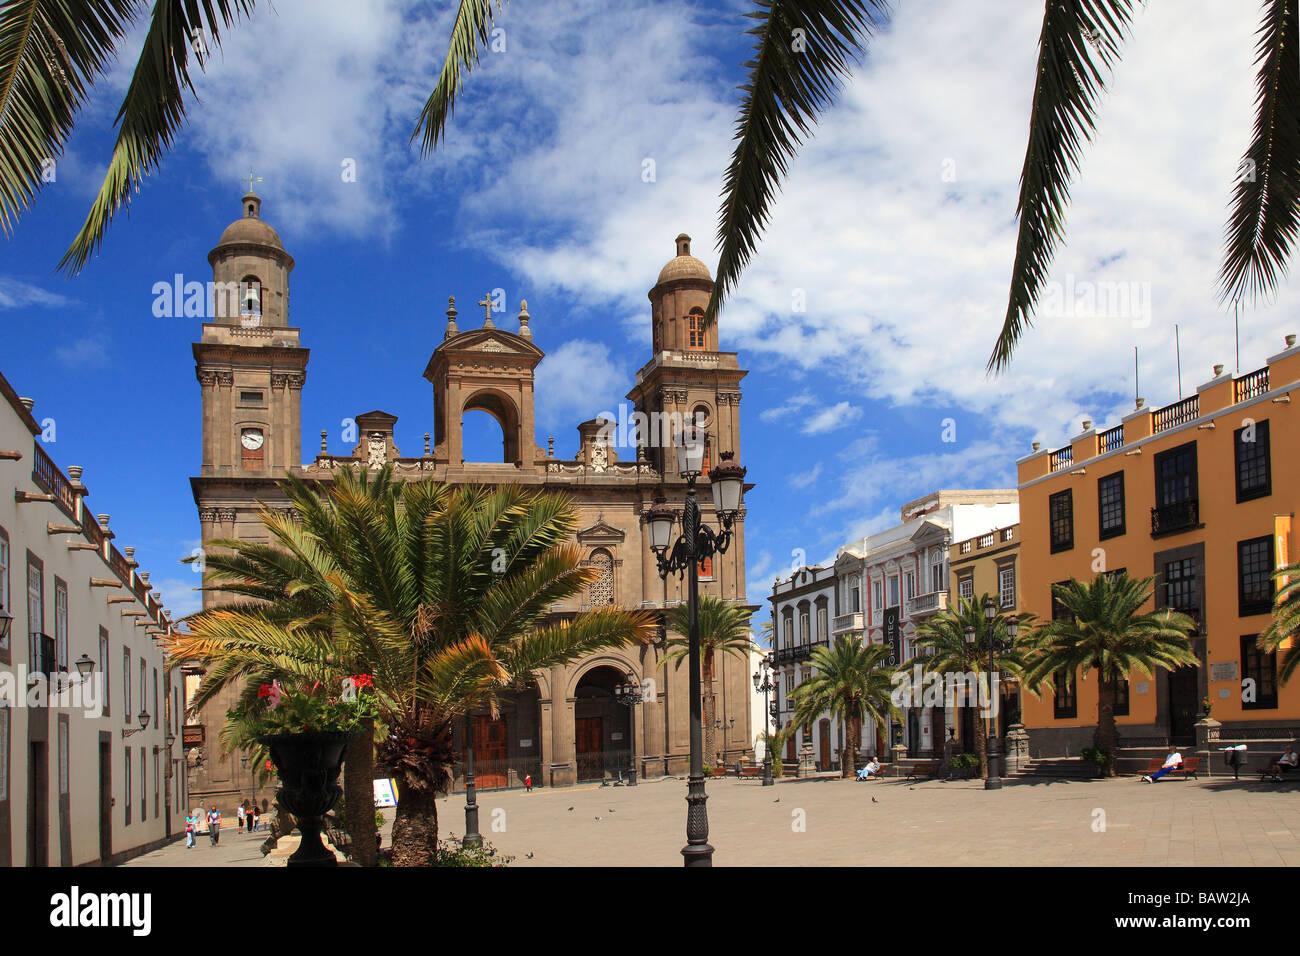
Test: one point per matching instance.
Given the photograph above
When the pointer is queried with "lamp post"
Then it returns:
(472, 837)
(6, 622)
(628, 694)
(992, 744)
(696, 543)
(763, 684)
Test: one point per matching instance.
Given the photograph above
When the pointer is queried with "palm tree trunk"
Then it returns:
(981, 742)
(359, 795)
(849, 761)
(415, 829)
(1106, 723)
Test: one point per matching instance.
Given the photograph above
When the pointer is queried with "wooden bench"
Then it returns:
(748, 773)
(1186, 770)
(923, 771)
(1266, 772)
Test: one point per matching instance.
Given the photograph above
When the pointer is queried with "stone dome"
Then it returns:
(251, 228)
(684, 265)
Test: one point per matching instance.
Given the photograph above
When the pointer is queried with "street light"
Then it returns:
(696, 544)
(763, 684)
(992, 743)
(472, 837)
(628, 694)
(85, 666)
(6, 622)
(142, 719)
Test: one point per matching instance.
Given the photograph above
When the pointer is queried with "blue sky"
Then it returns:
(895, 232)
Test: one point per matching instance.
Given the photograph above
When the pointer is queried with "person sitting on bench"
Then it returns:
(1172, 762)
(1285, 763)
(872, 768)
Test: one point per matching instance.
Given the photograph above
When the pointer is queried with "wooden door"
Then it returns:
(490, 752)
(38, 806)
(791, 758)
(588, 741)
(1182, 706)
(824, 739)
(105, 798)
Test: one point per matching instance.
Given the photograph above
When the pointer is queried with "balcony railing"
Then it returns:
(1110, 440)
(927, 603)
(1175, 517)
(800, 652)
(46, 474)
(1061, 458)
(847, 622)
(1251, 384)
(1179, 413)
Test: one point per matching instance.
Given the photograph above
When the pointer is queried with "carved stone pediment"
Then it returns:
(601, 531)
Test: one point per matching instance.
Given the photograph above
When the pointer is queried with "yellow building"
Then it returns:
(988, 564)
(1199, 494)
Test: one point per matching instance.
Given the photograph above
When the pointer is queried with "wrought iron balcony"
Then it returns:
(800, 652)
(1175, 517)
(843, 623)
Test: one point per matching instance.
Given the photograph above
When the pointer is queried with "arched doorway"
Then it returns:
(601, 725)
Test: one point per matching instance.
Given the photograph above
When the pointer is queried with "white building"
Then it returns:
(91, 767)
(890, 582)
(803, 606)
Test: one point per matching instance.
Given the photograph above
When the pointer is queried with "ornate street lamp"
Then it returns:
(696, 544)
(628, 694)
(85, 666)
(472, 837)
(142, 719)
(763, 684)
(6, 622)
(992, 743)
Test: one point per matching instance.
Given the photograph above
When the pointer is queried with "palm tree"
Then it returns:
(441, 594)
(724, 627)
(1285, 626)
(943, 649)
(1106, 633)
(850, 681)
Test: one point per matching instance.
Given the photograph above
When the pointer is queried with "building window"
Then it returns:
(63, 754)
(803, 627)
(789, 683)
(893, 591)
(1110, 505)
(909, 581)
(706, 569)
(155, 698)
(937, 576)
(1121, 697)
(156, 803)
(1060, 508)
(1180, 588)
(4, 589)
(144, 786)
(103, 669)
(1255, 576)
(4, 754)
(855, 599)
(143, 668)
(1059, 611)
(127, 801)
(966, 587)
(1260, 669)
(1254, 468)
(601, 592)
(250, 296)
(35, 612)
(1064, 702)
(877, 601)
(789, 630)
(1007, 586)
(823, 632)
(1177, 506)
(61, 623)
(695, 327)
(126, 689)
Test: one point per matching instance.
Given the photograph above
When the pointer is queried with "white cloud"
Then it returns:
(805, 478)
(90, 351)
(179, 596)
(16, 294)
(792, 405)
(830, 418)
(575, 383)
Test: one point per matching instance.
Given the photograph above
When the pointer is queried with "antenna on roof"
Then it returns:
(1136, 390)
(1178, 357)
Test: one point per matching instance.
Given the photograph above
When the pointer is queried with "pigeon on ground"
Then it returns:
(570, 808)
(611, 809)
(874, 800)
(597, 818)
(777, 800)
(529, 854)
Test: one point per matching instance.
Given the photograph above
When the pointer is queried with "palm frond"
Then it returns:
(50, 53)
(1079, 39)
(802, 52)
(1263, 221)
(153, 108)
(469, 34)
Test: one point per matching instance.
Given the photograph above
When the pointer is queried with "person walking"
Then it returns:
(214, 825)
(257, 819)
(1172, 762)
(240, 813)
(191, 824)
(528, 783)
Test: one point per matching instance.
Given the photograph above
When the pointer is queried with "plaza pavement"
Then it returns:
(1172, 823)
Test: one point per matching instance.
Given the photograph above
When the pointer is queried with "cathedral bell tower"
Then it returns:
(249, 362)
(687, 377)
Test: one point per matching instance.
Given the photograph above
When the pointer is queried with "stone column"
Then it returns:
(563, 768)
(1017, 749)
(1207, 742)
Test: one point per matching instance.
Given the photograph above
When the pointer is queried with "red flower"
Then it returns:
(264, 690)
(363, 680)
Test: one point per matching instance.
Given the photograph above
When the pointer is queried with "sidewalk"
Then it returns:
(234, 849)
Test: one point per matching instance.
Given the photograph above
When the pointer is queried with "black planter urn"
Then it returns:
(308, 765)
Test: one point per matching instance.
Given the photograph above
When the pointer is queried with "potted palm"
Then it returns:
(306, 733)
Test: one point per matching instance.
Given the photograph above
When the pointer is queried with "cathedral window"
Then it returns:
(601, 593)
(695, 327)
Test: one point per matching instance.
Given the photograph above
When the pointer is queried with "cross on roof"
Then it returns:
(486, 302)
(250, 179)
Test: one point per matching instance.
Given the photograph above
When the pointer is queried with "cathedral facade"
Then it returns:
(571, 726)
